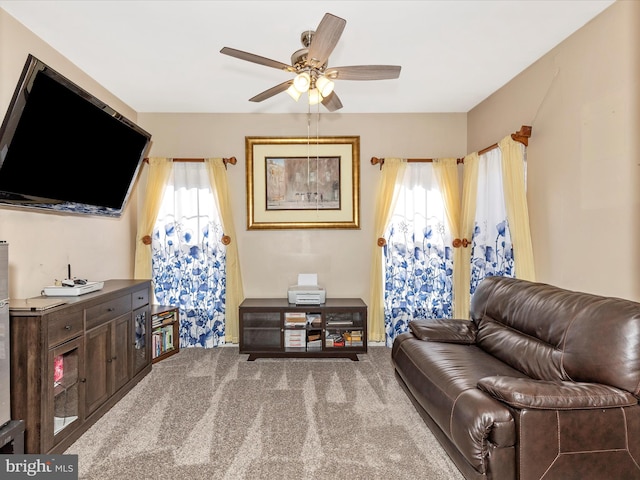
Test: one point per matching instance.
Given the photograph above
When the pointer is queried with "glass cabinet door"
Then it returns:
(141, 333)
(261, 330)
(344, 330)
(65, 379)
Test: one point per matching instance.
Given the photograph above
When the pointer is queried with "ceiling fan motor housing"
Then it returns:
(299, 58)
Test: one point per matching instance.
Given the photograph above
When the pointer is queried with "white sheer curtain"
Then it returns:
(493, 226)
(492, 249)
(418, 256)
(189, 257)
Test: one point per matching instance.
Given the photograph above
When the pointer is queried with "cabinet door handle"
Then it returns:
(67, 327)
(110, 309)
(83, 380)
(140, 298)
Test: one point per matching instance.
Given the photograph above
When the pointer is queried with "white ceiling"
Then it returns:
(163, 56)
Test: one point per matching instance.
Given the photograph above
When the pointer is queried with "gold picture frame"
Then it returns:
(303, 182)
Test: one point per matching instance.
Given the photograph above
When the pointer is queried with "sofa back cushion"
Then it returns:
(551, 333)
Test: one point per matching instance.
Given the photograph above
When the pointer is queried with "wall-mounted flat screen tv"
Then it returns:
(63, 150)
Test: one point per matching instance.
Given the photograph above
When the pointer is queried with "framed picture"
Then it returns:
(303, 182)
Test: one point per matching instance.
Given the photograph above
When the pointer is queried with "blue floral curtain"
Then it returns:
(188, 264)
(492, 250)
(418, 257)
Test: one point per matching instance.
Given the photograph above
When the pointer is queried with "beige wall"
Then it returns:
(582, 100)
(583, 183)
(42, 244)
(271, 259)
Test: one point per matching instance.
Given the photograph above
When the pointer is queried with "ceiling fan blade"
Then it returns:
(272, 91)
(325, 39)
(364, 72)
(250, 57)
(332, 102)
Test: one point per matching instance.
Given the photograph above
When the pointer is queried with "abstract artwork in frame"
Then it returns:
(303, 182)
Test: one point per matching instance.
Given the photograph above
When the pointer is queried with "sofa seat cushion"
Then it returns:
(547, 395)
(443, 378)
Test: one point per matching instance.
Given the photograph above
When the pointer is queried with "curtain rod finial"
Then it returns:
(522, 135)
(231, 160)
(376, 161)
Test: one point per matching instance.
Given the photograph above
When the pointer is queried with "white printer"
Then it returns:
(307, 291)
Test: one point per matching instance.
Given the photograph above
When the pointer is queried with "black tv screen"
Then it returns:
(62, 149)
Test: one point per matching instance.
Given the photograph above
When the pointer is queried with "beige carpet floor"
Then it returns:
(210, 414)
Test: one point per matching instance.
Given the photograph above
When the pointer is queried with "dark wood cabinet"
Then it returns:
(72, 363)
(97, 391)
(272, 327)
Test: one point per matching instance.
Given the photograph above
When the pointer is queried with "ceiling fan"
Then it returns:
(310, 66)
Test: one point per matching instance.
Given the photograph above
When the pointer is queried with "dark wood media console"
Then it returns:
(273, 327)
(70, 364)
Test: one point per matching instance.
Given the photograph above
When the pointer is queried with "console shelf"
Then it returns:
(273, 327)
(165, 332)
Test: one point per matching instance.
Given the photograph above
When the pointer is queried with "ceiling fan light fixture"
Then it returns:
(325, 86)
(294, 93)
(314, 96)
(309, 66)
(302, 82)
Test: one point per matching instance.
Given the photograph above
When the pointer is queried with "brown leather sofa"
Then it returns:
(542, 383)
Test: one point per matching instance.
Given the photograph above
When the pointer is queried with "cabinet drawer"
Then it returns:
(140, 298)
(64, 326)
(107, 311)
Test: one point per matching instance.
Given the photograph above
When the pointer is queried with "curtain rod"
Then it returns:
(231, 160)
(521, 136)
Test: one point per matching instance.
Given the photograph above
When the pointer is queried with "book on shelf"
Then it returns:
(162, 319)
(167, 337)
(353, 338)
(295, 319)
(162, 340)
(295, 338)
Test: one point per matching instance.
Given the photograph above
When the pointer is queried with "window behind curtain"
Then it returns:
(492, 250)
(418, 257)
(188, 257)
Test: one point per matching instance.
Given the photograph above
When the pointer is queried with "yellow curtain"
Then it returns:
(391, 173)
(462, 255)
(157, 177)
(446, 172)
(234, 290)
(516, 205)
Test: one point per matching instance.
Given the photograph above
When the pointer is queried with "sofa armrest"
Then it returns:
(447, 330)
(557, 395)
